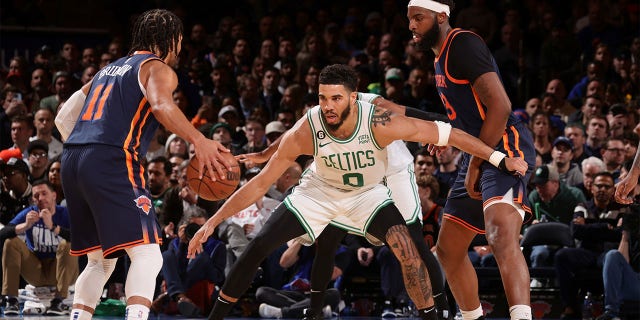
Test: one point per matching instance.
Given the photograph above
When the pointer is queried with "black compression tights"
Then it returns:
(281, 226)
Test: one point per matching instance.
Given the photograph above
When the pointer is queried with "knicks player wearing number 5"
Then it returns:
(489, 202)
(108, 125)
(347, 139)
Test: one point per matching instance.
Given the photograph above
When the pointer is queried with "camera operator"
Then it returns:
(621, 271)
(181, 273)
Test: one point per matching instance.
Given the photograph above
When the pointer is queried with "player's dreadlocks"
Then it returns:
(156, 30)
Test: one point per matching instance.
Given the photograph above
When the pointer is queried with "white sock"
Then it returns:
(137, 312)
(473, 314)
(520, 311)
(79, 314)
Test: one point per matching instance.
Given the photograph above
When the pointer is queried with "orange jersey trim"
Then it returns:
(462, 223)
(127, 142)
(85, 251)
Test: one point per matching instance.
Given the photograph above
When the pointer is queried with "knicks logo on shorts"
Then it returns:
(144, 203)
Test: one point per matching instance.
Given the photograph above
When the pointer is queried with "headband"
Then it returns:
(430, 5)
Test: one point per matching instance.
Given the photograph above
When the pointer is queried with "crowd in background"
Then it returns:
(571, 70)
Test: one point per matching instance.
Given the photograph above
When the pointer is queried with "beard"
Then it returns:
(429, 39)
(343, 115)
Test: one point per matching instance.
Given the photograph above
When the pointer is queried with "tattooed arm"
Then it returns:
(388, 127)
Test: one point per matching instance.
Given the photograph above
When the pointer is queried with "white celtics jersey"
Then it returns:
(351, 163)
(399, 157)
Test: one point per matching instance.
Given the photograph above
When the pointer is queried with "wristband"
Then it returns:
(496, 157)
(444, 131)
(367, 97)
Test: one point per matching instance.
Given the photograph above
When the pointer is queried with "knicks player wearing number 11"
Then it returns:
(347, 139)
(108, 125)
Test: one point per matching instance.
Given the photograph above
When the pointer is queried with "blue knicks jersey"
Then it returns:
(116, 111)
(464, 108)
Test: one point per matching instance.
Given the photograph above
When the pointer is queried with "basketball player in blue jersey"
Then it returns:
(482, 200)
(108, 125)
(347, 139)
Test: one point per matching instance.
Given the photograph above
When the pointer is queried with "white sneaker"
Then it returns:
(33, 307)
(326, 312)
(535, 283)
(269, 311)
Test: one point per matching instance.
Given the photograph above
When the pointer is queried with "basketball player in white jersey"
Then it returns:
(400, 179)
(347, 139)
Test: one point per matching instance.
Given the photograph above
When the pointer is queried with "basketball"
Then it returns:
(209, 189)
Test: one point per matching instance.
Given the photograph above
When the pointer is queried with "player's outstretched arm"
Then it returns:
(299, 141)
(261, 156)
(398, 127)
(400, 109)
(159, 81)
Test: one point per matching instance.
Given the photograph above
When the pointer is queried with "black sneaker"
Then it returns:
(57, 308)
(12, 307)
(311, 314)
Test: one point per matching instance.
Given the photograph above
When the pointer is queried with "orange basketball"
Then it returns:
(209, 189)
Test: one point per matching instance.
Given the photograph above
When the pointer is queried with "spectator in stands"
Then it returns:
(447, 170)
(43, 123)
(285, 183)
(105, 59)
(562, 154)
(273, 131)
(618, 118)
(38, 160)
(53, 176)
(293, 298)
(255, 133)
(176, 146)
(158, 171)
(578, 92)
(552, 200)
(428, 190)
(62, 88)
(88, 73)
(39, 86)
(44, 259)
(89, 57)
(575, 133)
(287, 117)
(590, 167)
(269, 94)
(229, 115)
(621, 268)
(591, 107)
(613, 156)
(181, 274)
(564, 109)
(21, 130)
(594, 228)
(541, 128)
(597, 132)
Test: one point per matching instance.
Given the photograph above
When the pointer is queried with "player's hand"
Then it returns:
(201, 236)
(252, 158)
(472, 180)
(624, 188)
(435, 150)
(209, 152)
(517, 166)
